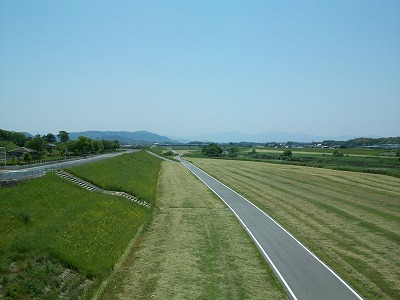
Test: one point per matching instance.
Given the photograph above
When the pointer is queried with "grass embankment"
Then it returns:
(59, 241)
(350, 220)
(194, 249)
(134, 173)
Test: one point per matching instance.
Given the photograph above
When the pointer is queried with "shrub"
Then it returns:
(287, 153)
(336, 153)
(27, 157)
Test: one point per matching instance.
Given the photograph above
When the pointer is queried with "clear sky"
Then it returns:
(183, 68)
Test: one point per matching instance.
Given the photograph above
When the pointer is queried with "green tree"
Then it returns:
(212, 150)
(97, 146)
(233, 151)
(287, 153)
(63, 147)
(398, 153)
(84, 145)
(63, 136)
(72, 147)
(37, 143)
(50, 138)
(17, 138)
(110, 145)
(27, 157)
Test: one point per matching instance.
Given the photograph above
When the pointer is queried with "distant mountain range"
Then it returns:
(126, 137)
(145, 137)
(273, 136)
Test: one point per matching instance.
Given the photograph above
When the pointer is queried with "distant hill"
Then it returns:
(126, 137)
(27, 134)
(273, 136)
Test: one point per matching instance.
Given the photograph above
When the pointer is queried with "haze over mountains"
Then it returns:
(136, 137)
(273, 136)
(223, 137)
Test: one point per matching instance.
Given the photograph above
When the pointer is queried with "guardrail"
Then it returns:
(26, 174)
(40, 170)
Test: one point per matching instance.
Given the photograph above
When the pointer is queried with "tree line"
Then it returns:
(44, 144)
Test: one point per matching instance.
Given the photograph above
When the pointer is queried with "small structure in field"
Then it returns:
(18, 152)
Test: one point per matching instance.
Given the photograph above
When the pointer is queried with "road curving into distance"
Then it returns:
(40, 170)
(302, 274)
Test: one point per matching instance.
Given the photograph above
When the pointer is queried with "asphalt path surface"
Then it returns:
(302, 274)
(37, 171)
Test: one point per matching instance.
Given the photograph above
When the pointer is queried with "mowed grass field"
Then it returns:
(350, 220)
(194, 249)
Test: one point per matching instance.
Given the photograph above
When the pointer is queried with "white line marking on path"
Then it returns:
(258, 244)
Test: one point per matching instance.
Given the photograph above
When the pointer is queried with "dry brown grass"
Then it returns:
(194, 249)
(350, 220)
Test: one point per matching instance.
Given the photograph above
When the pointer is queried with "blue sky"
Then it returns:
(185, 68)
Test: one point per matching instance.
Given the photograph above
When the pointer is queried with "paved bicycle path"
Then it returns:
(303, 275)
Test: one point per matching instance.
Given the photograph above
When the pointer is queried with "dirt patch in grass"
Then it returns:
(194, 249)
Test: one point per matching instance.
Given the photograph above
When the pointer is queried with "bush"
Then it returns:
(336, 153)
(212, 150)
(287, 153)
(27, 157)
(169, 153)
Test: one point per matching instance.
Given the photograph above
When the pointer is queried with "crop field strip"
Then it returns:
(194, 249)
(351, 220)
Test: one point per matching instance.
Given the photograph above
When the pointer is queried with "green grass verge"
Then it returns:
(134, 173)
(194, 249)
(59, 240)
(55, 235)
(350, 220)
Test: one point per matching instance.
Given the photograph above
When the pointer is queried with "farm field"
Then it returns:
(374, 161)
(350, 220)
(194, 249)
(345, 151)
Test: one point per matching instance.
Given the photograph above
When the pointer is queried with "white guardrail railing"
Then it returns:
(26, 174)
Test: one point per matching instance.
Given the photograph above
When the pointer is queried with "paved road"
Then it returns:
(159, 156)
(38, 171)
(303, 275)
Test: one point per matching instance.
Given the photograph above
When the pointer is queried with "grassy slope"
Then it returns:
(135, 173)
(194, 249)
(50, 219)
(59, 239)
(351, 220)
